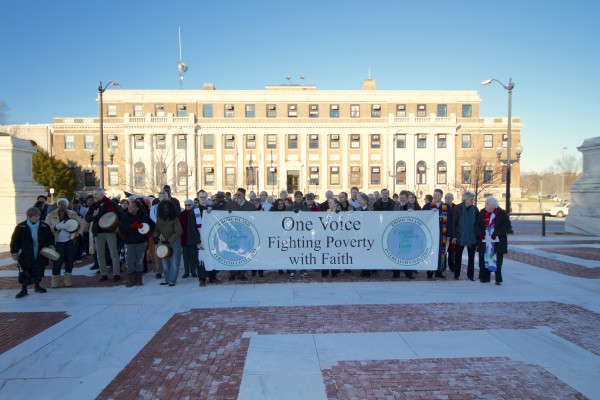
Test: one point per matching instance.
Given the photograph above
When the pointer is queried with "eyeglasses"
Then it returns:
(189, 205)
(202, 197)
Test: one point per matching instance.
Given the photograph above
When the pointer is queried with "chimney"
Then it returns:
(369, 84)
(209, 86)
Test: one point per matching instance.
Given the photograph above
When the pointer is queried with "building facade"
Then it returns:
(288, 137)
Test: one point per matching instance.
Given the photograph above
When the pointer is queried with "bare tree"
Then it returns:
(3, 112)
(478, 175)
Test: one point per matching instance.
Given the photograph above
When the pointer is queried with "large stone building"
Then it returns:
(288, 137)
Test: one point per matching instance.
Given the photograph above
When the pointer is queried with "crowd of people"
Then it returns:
(138, 229)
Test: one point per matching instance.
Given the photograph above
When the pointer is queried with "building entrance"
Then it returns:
(293, 180)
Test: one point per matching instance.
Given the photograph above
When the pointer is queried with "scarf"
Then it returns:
(467, 225)
(34, 228)
(490, 254)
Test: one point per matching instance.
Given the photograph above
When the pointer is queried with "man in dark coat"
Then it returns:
(240, 204)
(28, 239)
(491, 228)
(384, 203)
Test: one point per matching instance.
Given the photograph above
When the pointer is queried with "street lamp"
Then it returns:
(101, 91)
(510, 88)
(394, 173)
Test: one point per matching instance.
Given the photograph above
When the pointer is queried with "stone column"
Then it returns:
(584, 213)
(18, 191)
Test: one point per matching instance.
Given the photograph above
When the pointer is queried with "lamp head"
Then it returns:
(486, 82)
(115, 84)
(519, 149)
(499, 149)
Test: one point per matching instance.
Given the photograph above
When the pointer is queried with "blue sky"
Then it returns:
(54, 54)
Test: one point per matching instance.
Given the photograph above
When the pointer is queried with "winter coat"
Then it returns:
(21, 240)
(132, 235)
(501, 227)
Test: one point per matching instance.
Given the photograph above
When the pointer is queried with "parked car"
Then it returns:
(559, 210)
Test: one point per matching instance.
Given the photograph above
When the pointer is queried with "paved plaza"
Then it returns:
(537, 336)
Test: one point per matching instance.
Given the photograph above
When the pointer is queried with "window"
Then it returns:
(208, 141)
(250, 176)
(89, 179)
(88, 142)
(355, 111)
(250, 141)
(250, 111)
(488, 141)
(334, 141)
(334, 175)
(207, 110)
(182, 110)
(113, 177)
(401, 110)
(292, 110)
(313, 111)
(69, 142)
(400, 173)
(161, 142)
(229, 142)
(111, 110)
(421, 173)
(139, 174)
(504, 140)
(160, 174)
(466, 141)
(292, 142)
(314, 176)
(400, 141)
(441, 110)
(375, 141)
(466, 174)
(441, 141)
(182, 173)
(466, 110)
(113, 141)
(313, 141)
(442, 170)
(209, 176)
(271, 141)
(159, 110)
(272, 176)
(181, 142)
(375, 176)
(138, 142)
(421, 141)
(376, 111)
(138, 110)
(230, 177)
(355, 176)
(271, 111)
(421, 110)
(355, 141)
(229, 110)
(488, 174)
(334, 111)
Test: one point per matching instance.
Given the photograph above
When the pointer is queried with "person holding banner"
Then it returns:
(240, 204)
(445, 215)
(491, 228)
(384, 203)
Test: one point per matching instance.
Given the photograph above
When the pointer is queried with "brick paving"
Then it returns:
(586, 253)
(200, 354)
(17, 327)
(456, 378)
(554, 265)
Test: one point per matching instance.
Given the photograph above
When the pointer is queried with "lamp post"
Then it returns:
(541, 191)
(101, 91)
(562, 188)
(510, 88)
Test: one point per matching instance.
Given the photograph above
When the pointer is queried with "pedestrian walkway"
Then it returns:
(537, 335)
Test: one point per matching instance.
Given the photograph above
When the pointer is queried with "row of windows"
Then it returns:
(292, 110)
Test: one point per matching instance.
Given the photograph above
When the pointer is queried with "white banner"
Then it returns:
(320, 240)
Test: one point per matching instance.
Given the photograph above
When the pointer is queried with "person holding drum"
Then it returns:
(136, 226)
(65, 225)
(28, 240)
(167, 236)
(103, 214)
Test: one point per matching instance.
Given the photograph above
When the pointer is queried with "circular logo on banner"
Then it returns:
(407, 241)
(233, 241)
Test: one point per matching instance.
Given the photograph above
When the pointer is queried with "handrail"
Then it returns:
(544, 215)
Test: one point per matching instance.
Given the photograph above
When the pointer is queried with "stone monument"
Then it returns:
(584, 214)
(18, 191)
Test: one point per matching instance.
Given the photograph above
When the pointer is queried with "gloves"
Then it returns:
(135, 225)
(482, 237)
(493, 236)
(60, 226)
